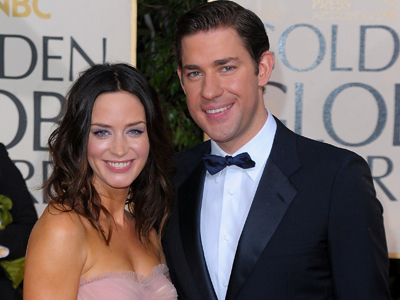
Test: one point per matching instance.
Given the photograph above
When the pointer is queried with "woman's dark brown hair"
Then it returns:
(70, 185)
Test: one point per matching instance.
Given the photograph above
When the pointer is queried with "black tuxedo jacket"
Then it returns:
(314, 231)
(15, 235)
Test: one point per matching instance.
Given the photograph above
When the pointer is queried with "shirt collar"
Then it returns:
(259, 147)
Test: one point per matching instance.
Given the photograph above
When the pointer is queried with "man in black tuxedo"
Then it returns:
(276, 215)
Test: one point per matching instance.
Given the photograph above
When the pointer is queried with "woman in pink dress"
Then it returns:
(110, 193)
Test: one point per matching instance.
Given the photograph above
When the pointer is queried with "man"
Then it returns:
(300, 220)
(14, 237)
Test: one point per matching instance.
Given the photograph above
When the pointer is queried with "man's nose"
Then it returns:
(211, 87)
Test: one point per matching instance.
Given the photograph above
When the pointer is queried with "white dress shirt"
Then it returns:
(227, 198)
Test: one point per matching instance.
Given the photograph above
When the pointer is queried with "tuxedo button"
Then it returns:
(225, 284)
(227, 237)
(231, 191)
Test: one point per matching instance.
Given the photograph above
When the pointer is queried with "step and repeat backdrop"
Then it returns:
(44, 44)
(336, 79)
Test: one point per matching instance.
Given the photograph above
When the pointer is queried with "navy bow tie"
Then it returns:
(215, 163)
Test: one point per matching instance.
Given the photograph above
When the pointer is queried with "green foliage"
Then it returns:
(5, 215)
(156, 61)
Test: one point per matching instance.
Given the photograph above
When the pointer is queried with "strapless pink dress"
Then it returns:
(129, 286)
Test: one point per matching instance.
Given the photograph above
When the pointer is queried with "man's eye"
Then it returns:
(194, 74)
(227, 68)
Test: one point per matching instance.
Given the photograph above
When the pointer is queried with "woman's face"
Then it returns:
(118, 145)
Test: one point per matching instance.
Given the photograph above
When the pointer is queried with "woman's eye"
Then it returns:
(101, 133)
(135, 132)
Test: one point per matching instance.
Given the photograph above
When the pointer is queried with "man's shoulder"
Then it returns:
(324, 157)
(192, 154)
(187, 160)
(322, 148)
(310, 149)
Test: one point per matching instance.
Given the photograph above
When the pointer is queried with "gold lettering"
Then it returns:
(38, 12)
(5, 7)
(324, 4)
(315, 3)
(339, 4)
(24, 5)
(331, 4)
(316, 15)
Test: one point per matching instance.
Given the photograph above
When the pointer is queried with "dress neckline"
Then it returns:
(160, 269)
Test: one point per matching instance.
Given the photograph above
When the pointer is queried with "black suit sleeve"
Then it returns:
(15, 235)
(356, 237)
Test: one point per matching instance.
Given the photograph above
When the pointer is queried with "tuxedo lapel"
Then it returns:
(190, 198)
(273, 196)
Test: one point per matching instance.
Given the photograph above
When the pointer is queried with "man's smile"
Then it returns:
(218, 110)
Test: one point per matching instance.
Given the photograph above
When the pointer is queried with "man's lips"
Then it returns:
(218, 110)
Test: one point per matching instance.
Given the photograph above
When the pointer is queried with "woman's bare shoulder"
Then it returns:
(58, 221)
(58, 229)
(56, 254)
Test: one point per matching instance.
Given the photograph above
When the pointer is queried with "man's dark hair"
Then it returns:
(217, 14)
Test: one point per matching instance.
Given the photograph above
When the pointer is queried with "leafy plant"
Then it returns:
(155, 59)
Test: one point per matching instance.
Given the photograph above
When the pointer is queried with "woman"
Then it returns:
(110, 149)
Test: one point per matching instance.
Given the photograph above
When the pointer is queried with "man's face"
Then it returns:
(224, 94)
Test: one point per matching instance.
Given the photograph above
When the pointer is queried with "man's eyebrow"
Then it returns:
(218, 62)
(224, 61)
(191, 67)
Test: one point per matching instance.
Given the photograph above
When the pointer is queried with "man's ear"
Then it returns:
(179, 71)
(265, 67)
